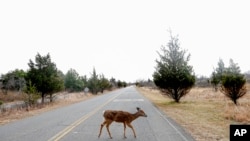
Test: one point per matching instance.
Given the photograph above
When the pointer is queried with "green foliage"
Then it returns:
(32, 94)
(44, 75)
(98, 83)
(220, 70)
(84, 80)
(104, 83)
(1, 102)
(124, 84)
(173, 75)
(217, 74)
(93, 83)
(215, 80)
(233, 82)
(113, 82)
(13, 80)
(121, 84)
(73, 81)
(233, 68)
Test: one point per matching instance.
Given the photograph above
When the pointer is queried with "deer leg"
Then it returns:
(107, 126)
(101, 128)
(124, 124)
(129, 125)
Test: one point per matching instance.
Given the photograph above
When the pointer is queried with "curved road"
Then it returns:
(82, 121)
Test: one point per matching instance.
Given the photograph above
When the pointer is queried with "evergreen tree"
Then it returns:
(217, 74)
(93, 83)
(72, 81)
(104, 83)
(44, 75)
(233, 82)
(173, 75)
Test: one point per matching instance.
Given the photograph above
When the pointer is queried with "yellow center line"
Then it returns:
(65, 131)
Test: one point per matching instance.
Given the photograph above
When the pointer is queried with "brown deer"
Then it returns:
(120, 116)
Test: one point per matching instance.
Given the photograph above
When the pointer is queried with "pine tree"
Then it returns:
(173, 75)
(44, 75)
(233, 82)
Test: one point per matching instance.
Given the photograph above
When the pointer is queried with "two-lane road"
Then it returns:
(82, 121)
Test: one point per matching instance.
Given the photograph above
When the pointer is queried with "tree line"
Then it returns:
(43, 79)
(173, 76)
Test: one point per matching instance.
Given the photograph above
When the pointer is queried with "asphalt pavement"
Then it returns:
(81, 122)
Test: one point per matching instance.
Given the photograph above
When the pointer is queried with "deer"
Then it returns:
(120, 116)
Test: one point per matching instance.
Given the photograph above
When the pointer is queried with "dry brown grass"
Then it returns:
(204, 113)
(17, 114)
(11, 96)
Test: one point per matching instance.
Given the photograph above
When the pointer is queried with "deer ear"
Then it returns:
(137, 108)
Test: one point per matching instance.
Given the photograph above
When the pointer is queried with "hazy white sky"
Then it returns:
(120, 37)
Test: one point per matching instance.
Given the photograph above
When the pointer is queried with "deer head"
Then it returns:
(141, 112)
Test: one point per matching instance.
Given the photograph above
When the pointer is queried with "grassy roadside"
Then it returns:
(204, 113)
(68, 99)
(17, 114)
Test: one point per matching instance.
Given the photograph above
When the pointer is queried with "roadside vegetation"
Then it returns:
(43, 80)
(204, 106)
(173, 76)
(205, 113)
(64, 99)
(213, 103)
